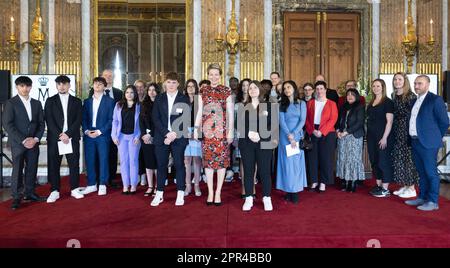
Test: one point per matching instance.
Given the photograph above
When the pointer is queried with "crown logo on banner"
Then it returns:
(43, 81)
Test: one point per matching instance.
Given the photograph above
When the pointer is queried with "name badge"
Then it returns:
(179, 110)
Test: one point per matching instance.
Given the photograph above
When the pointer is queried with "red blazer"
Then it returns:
(328, 119)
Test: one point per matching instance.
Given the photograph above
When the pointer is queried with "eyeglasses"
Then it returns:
(191, 86)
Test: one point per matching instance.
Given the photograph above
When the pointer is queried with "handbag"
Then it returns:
(306, 144)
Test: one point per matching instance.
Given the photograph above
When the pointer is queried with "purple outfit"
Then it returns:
(128, 151)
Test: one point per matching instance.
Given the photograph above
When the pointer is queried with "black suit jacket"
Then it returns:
(354, 121)
(54, 117)
(116, 92)
(160, 116)
(17, 124)
(332, 95)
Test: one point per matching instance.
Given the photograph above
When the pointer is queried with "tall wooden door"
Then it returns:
(321, 43)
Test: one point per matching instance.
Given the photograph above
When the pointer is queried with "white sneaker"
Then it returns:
(408, 193)
(267, 201)
(76, 193)
(400, 191)
(102, 190)
(180, 198)
(53, 197)
(248, 204)
(143, 180)
(158, 199)
(167, 182)
(89, 189)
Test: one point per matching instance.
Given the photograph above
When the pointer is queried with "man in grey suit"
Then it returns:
(23, 120)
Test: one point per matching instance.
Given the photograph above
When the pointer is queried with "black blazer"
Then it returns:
(54, 117)
(354, 122)
(333, 95)
(160, 117)
(118, 94)
(17, 124)
(263, 117)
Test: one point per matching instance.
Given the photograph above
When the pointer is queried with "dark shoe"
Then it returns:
(382, 193)
(375, 189)
(353, 189)
(287, 197)
(125, 193)
(349, 186)
(132, 193)
(15, 204)
(217, 204)
(34, 198)
(242, 196)
(149, 191)
(294, 198)
(344, 185)
(209, 203)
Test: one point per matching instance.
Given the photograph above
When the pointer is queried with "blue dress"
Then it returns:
(291, 172)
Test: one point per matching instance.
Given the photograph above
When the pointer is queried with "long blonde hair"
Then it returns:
(406, 86)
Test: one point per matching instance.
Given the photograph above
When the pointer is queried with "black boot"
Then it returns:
(287, 197)
(353, 186)
(344, 185)
(349, 186)
(294, 198)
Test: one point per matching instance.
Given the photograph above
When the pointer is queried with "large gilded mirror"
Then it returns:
(141, 39)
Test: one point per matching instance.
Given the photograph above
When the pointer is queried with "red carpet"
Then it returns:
(332, 219)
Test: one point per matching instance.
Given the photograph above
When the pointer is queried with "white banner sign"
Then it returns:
(44, 86)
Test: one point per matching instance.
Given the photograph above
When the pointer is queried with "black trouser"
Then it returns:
(54, 165)
(141, 162)
(20, 157)
(112, 161)
(321, 157)
(380, 160)
(251, 154)
(163, 151)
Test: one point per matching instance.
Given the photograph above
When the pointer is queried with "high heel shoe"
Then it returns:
(314, 189)
(287, 197)
(294, 198)
(149, 191)
(209, 203)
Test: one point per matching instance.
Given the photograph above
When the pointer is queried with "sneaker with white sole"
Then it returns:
(248, 204)
(267, 201)
(408, 193)
(158, 199)
(89, 189)
(180, 198)
(400, 191)
(102, 190)
(53, 197)
(229, 176)
(76, 193)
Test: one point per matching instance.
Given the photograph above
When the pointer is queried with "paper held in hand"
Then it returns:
(291, 151)
(65, 148)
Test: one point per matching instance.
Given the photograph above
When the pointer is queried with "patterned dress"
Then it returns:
(216, 150)
(405, 172)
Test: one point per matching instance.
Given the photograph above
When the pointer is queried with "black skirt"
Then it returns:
(148, 150)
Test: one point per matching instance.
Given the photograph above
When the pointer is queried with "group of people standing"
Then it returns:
(276, 129)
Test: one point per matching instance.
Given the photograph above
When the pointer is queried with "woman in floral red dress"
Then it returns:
(215, 115)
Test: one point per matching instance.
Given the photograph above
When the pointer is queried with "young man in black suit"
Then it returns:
(63, 117)
(23, 120)
(116, 95)
(171, 117)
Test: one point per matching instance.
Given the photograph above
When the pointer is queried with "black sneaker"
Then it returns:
(382, 193)
(375, 189)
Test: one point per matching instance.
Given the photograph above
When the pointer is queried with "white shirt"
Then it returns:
(65, 103)
(27, 104)
(318, 111)
(414, 112)
(171, 101)
(95, 106)
(111, 93)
